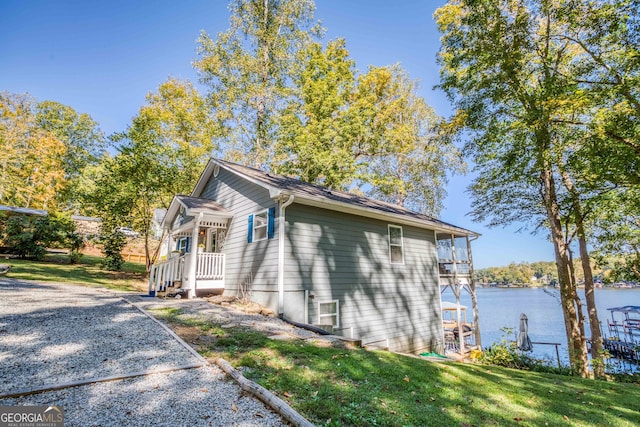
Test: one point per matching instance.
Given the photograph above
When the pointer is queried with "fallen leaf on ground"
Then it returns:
(234, 407)
(407, 379)
(287, 394)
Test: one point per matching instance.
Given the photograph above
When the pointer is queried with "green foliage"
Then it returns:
(372, 132)
(315, 138)
(29, 236)
(44, 149)
(247, 70)
(537, 86)
(84, 142)
(161, 154)
(288, 104)
(112, 241)
(616, 232)
(31, 169)
(541, 272)
(409, 157)
(22, 237)
(505, 353)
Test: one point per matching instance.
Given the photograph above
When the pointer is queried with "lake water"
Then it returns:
(501, 307)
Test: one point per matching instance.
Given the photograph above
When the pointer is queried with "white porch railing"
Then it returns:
(210, 266)
(166, 273)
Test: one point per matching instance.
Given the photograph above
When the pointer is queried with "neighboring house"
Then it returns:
(156, 223)
(362, 268)
(87, 226)
(23, 211)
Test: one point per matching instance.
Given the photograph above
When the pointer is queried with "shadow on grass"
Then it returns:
(56, 268)
(336, 386)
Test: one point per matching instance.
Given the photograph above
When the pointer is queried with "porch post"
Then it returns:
(458, 288)
(474, 299)
(169, 243)
(193, 256)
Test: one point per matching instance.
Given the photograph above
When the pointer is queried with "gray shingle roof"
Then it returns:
(300, 188)
(196, 203)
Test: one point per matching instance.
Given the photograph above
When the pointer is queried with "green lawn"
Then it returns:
(56, 268)
(336, 386)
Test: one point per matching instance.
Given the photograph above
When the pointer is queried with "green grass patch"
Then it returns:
(56, 268)
(336, 387)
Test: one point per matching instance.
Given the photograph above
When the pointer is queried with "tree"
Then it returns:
(84, 145)
(247, 69)
(31, 158)
(373, 131)
(617, 234)
(410, 158)
(514, 84)
(161, 154)
(315, 138)
(46, 147)
(606, 35)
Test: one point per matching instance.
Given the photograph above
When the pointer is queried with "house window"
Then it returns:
(396, 250)
(183, 245)
(329, 313)
(261, 225)
(260, 221)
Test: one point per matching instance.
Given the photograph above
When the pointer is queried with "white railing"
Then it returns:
(166, 273)
(210, 266)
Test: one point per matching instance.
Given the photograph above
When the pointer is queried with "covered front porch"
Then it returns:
(194, 262)
(456, 276)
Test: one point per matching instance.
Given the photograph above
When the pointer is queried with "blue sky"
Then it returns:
(103, 57)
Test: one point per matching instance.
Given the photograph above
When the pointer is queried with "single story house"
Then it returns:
(359, 267)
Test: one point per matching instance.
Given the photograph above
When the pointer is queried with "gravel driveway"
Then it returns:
(54, 335)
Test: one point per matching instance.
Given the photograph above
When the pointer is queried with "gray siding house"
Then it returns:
(358, 267)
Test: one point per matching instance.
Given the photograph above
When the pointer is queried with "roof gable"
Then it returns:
(192, 206)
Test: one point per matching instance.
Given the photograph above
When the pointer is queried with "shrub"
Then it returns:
(113, 241)
(29, 237)
(505, 353)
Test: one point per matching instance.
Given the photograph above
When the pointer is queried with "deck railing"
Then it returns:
(210, 266)
(166, 273)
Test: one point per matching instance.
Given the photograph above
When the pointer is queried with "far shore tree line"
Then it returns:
(542, 273)
(546, 97)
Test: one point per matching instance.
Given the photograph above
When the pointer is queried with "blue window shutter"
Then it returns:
(187, 248)
(250, 234)
(271, 224)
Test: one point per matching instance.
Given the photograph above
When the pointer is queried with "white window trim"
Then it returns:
(182, 244)
(401, 245)
(337, 313)
(265, 226)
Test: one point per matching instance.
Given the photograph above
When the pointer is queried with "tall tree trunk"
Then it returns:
(577, 353)
(576, 298)
(594, 321)
(592, 311)
(259, 150)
